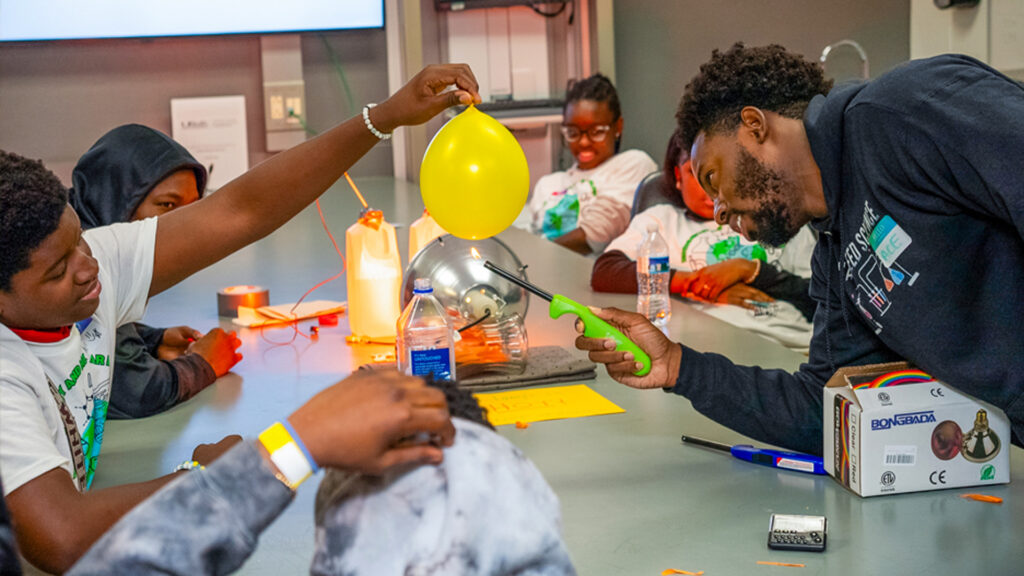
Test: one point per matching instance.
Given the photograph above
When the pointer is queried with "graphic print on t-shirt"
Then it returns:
(714, 245)
(871, 261)
(92, 436)
(86, 391)
(564, 216)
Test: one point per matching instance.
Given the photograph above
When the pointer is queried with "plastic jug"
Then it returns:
(374, 277)
(421, 232)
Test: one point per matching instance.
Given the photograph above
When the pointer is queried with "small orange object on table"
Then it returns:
(983, 498)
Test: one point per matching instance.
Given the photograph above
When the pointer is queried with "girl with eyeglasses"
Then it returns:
(585, 207)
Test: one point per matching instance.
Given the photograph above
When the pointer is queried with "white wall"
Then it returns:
(992, 31)
(57, 98)
(660, 45)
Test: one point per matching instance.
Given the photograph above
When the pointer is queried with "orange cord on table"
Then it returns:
(295, 324)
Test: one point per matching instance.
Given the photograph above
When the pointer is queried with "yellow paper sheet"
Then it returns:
(545, 404)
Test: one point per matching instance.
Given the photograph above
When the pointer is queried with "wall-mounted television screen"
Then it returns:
(26, 20)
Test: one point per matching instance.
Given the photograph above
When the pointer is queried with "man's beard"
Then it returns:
(772, 220)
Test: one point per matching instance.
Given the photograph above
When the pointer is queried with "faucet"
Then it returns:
(853, 44)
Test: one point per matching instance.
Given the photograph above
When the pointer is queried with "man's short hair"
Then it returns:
(32, 201)
(767, 77)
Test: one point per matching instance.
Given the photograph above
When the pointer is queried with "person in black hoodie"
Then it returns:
(131, 173)
(914, 184)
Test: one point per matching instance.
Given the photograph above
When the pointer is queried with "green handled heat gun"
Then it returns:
(593, 327)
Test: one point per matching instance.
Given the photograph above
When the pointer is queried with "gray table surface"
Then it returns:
(634, 500)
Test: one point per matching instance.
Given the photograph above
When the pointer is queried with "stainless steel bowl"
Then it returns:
(456, 270)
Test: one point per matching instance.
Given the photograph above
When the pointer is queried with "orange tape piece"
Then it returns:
(983, 498)
(764, 563)
(669, 571)
(522, 425)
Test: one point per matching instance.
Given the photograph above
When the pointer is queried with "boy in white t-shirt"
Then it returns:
(64, 293)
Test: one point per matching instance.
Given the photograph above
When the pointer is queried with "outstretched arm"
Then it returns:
(772, 406)
(55, 523)
(261, 200)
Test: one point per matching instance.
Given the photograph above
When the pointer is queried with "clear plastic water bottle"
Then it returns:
(426, 341)
(652, 277)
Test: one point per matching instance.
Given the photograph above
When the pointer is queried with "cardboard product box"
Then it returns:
(889, 429)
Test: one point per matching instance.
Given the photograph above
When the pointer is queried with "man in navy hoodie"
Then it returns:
(914, 183)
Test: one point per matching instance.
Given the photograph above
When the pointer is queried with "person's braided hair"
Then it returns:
(32, 201)
(597, 88)
(461, 402)
(767, 77)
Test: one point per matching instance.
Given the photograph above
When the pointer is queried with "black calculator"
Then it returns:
(797, 532)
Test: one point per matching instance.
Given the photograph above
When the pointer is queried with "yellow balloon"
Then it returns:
(474, 177)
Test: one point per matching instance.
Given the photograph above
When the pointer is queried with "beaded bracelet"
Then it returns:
(189, 465)
(369, 125)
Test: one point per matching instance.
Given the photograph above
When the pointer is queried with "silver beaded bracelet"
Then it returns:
(369, 125)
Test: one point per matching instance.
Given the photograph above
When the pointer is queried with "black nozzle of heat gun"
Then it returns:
(517, 280)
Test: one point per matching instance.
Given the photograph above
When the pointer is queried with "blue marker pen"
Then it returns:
(766, 457)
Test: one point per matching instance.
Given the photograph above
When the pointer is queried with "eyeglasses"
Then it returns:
(594, 133)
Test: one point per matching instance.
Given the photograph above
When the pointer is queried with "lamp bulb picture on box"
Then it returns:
(981, 444)
(947, 439)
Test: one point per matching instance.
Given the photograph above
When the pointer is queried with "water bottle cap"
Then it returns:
(422, 286)
(652, 226)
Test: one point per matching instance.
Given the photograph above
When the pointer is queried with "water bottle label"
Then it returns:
(657, 265)
(436, 361)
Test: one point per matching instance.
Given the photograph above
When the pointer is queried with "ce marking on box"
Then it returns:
(937, 477)
(937, 393)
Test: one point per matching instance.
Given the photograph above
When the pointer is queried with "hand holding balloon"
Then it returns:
(426, 95)
(474, 177)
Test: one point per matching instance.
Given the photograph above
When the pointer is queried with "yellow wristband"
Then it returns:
(286, 455)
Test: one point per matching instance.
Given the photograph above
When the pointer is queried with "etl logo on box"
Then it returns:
(922, 417)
